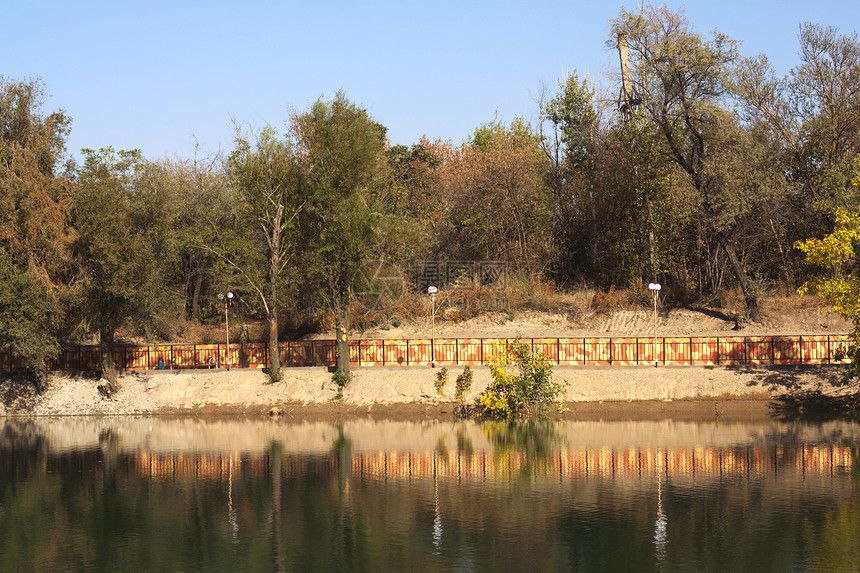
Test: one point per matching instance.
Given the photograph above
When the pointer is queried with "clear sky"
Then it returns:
(155, 75)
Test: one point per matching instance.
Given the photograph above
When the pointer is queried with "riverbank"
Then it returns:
(409, 392)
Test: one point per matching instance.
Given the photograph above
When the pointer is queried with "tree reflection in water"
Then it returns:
(361, 495)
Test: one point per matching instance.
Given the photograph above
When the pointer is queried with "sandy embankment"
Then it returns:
(404, 390)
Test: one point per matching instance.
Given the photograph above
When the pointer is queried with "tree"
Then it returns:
(35, 238)
(814, 111)
(413, 200)
(682, 82)
(124, 224)
(202, 204)
(837, 252)
(511, 393)
(496, 191)
(268, 180)
(342, 150)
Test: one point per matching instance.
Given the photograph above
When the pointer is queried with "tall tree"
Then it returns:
(814, 111)
(202, 204)
(343, 150)
(267, 178)
(35, 268)
(498, 197)
(682, 81)
(124, 224)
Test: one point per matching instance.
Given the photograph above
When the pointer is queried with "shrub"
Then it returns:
(514, 391)
(340, 379)
(441, 381)
(463, 384)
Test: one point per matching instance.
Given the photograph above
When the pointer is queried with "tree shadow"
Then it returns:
(794, 377)
(719, 315)
(17, 392)
(816, 405)
(808, 392)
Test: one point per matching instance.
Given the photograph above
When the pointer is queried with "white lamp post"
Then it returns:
(432, 291)
(227, 300)
(655, 290)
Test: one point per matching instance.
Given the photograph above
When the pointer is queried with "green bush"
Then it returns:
(275, 375)
(441, 381)
(340, 379)
(514, 391)
(463, 384)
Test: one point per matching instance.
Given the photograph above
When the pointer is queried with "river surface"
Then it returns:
(169, 494)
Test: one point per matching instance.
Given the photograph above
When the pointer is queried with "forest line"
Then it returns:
(711, 173)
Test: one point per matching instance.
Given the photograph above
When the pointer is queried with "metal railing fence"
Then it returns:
(626, 351)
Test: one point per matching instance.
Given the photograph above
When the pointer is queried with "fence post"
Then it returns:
(800, 342)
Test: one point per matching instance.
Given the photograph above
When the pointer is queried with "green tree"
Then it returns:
(202, 205)
(683, 83)
(267, 177)
(814, 111)
(124, 222)
(342, 150)
(35, 238)
(413, 200)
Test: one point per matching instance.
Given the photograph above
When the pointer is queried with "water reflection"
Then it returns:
(178, 494)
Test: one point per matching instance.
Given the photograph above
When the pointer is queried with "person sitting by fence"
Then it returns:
(160, 363)
(211, 363)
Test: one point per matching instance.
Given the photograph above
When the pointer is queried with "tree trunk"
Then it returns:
(741, 275)
(342, 330)
(274, 352)
(109, 373)
(40, 377)
(652, 246)
(195, 296)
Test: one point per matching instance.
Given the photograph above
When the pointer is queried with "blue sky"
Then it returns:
(156, 75)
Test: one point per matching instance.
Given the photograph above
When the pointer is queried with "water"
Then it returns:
(164, 494)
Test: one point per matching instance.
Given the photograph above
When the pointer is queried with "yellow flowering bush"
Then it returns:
(515, 390)
(837, 252)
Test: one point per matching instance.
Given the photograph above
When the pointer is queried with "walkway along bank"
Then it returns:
(687, 351)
